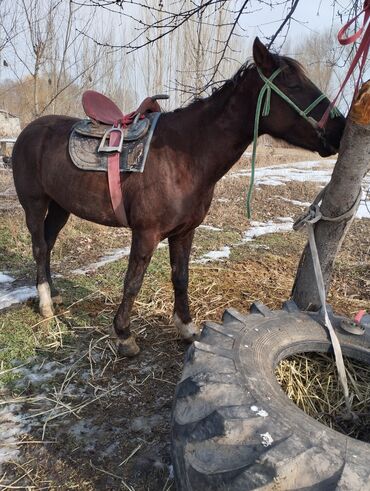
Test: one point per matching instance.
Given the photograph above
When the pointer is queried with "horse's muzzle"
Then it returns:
(328, 148)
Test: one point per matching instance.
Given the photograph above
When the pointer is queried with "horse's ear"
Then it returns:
(262, 56)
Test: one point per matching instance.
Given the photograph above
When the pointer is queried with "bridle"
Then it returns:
(266, 90)
(269, 86)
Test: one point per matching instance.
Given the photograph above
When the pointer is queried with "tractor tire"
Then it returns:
(233, 427)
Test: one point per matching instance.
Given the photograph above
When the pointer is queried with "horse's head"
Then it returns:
(285, 121)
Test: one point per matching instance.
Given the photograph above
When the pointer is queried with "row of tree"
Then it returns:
(52, 51)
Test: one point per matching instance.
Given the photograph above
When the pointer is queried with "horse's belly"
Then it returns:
(83, 193)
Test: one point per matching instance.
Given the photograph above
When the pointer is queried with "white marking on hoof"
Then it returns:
(127, 347)
(189, 331)
(45, 303)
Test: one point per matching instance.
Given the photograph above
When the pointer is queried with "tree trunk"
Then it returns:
(340, 196)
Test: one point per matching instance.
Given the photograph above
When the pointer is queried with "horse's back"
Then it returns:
(31, 140)
(43, 133)
(43, 170)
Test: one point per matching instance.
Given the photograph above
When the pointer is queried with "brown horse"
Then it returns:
(191, 150)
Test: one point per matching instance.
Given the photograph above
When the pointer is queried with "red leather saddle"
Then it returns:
(102, 109)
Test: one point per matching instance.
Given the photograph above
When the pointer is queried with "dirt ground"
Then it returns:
(75, 416)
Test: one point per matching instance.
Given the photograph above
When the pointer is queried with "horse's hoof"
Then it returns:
(189, 332)
(127, 347)
(46, 311)
(45, 302)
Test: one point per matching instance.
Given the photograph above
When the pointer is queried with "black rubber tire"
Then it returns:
(221, 441)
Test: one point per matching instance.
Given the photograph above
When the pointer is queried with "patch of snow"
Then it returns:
(278, 175)
(12, 425)
(210, 227)
(296, 171)
(10, 296)
(260, 412)
(267, 439)
(284, 219)
(5, 278)
(318, 171)
(363, 210)
(223, 253)
(257, 229)
(294, 201)
(83, 429)
(146, 424)
(39, 374)
(112, 256)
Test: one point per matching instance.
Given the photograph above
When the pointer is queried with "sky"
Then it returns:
(262, 20)
(310, 16)
(313, 15)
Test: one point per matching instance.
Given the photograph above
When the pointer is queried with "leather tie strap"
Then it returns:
(114, 182)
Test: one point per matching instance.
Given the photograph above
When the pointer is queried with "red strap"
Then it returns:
(351, 39)
(359, 316)
(114, 174)
(114, 181)
(361, 53)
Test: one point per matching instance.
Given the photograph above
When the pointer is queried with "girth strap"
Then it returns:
(114, 181)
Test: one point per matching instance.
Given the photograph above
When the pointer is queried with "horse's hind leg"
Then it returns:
(143, 245)
(55, 220)
(35, 210)
(180, 246)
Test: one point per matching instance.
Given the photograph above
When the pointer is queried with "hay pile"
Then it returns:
(311, 381)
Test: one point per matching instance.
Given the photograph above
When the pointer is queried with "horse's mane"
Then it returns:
(280, 62)
(243, 71)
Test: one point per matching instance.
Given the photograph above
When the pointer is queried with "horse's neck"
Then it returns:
(224, 129)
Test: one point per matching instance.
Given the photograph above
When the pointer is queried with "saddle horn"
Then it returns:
(159, 96)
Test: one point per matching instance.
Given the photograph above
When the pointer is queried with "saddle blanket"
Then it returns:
(83, 150)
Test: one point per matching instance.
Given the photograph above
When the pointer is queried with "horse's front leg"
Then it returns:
(143, 245)
(180, 246)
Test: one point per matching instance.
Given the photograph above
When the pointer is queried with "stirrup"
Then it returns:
(103, 147)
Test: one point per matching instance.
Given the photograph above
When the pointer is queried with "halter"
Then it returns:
(266, 89)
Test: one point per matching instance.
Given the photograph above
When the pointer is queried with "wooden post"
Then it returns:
(352, 165)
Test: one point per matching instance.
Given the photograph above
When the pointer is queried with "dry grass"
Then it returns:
(108, 393)
(310, 380)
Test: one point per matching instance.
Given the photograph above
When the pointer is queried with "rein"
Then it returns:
(360, 56)
(266, 90)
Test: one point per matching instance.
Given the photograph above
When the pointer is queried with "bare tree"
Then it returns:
(8, 18)
(340, 200)
(51, 62)
(166, 19)
(318, 53)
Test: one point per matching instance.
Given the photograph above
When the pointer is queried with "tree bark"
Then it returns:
(340, 196)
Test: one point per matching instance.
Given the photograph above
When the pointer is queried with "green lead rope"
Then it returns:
(266, 111)
(266, 89)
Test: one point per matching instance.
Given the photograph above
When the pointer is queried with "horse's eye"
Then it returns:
(294, 87)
